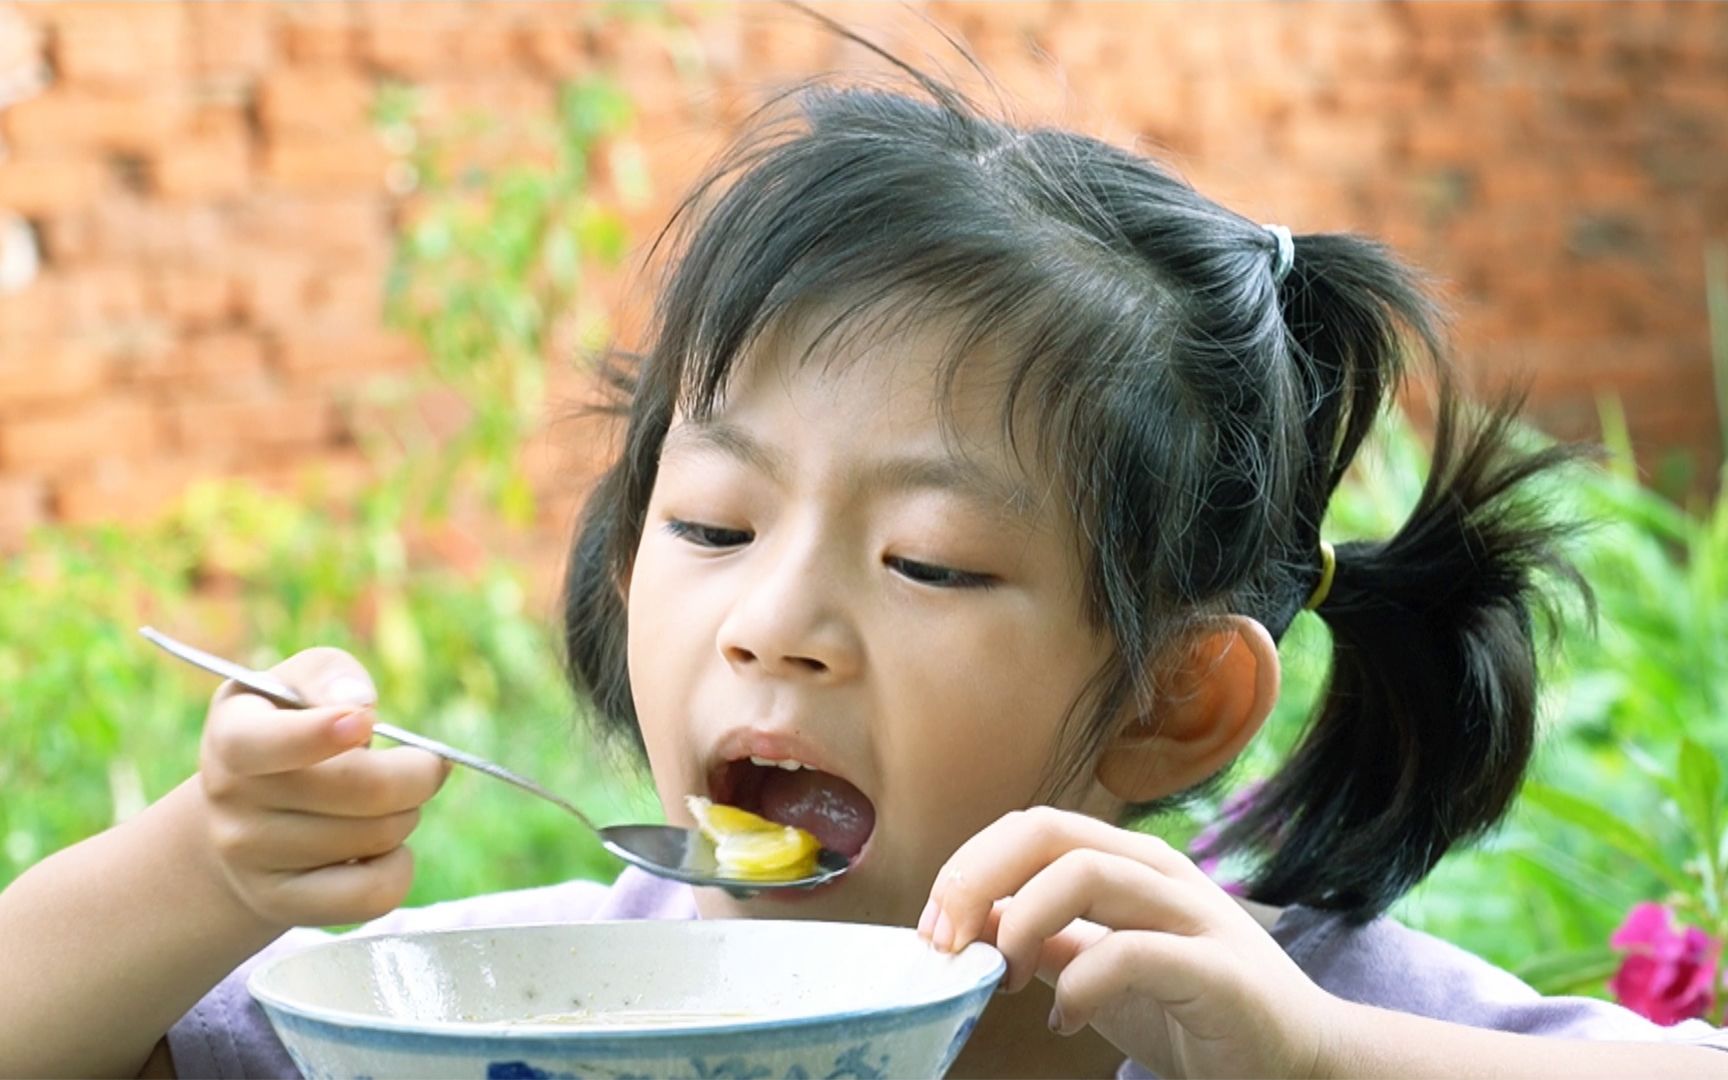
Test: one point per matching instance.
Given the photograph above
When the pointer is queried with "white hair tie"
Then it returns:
(1286, 252)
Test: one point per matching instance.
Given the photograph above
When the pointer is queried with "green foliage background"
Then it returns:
(97, 723)
(1625, 803)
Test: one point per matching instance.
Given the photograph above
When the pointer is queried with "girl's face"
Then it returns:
(829, 577)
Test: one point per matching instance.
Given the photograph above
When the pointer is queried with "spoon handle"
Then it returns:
(268, 686)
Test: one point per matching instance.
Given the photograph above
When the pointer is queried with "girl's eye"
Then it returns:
(939, 576)
(708, 536)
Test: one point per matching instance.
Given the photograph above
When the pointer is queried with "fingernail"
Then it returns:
(1056, 1019)
(350, 690)
(943, 936)
(927, 919)
(354, 727)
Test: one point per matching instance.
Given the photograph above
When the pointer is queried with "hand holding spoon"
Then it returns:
(667, 850)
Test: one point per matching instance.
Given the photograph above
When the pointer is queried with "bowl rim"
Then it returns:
(516, 1030)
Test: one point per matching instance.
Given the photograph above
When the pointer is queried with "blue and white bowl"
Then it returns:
(736, 998)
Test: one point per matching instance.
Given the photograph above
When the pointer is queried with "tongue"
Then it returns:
(830, 809)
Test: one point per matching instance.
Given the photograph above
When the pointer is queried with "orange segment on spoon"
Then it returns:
(751, 847)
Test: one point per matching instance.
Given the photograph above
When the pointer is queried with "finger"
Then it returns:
(927, 921)
(1167, 968)
(1007, 853)
(1060, 949)
(359, 783)
(1111, 890)
(323, 675)
(297, 842)
(1054, 952)
(248, 736)
(346, 892)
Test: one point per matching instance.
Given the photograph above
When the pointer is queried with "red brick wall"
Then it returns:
(215, 219)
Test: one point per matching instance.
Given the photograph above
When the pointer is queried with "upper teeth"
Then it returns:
(789, 766)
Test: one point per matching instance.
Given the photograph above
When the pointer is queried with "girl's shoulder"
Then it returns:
(1387, 964)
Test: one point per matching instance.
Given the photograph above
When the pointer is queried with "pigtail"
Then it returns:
(1426, 726)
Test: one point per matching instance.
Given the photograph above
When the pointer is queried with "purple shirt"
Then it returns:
(1381, 963)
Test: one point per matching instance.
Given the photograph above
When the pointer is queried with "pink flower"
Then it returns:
(1667, 975)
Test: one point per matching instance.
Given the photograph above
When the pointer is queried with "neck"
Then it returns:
(1013, 1039)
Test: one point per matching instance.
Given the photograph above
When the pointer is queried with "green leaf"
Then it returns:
(1570, 971)
(602, 233)
(630, 177)
(591, 109)
(432, 239)
(1611, 418)
(516, 502)
(1700, 798)
(400, 645)
(560, 258)
(395, 103)
(1699, 791)
(1607, 828)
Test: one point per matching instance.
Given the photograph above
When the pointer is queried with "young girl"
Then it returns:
(971, 476)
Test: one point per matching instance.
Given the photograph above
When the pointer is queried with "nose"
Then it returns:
(791, 621)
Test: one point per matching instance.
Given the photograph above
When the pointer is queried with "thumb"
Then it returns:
(327, 676)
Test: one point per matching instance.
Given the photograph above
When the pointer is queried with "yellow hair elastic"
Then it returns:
(1328, 564)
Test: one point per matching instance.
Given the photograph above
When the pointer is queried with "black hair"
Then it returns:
(1198, 412)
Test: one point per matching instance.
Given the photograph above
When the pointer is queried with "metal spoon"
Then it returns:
(667, 850)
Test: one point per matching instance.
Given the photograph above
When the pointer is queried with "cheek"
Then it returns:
(656, 609)
(988, 719)
(1003, 724)
(656, 650)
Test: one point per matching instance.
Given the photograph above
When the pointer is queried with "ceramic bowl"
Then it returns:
(734, 998)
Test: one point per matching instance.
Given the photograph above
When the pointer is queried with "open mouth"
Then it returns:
(828, 807)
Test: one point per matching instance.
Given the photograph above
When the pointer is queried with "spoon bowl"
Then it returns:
(666, 850)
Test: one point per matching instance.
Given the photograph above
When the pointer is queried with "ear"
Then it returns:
(1212, 699)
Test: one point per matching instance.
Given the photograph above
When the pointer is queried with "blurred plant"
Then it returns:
(501, 224)
(98, 723)
(1646, 722)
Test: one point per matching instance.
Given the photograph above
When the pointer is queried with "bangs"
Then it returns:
(884, 223)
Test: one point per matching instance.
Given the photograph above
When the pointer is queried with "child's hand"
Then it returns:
(305, 823)
(1136, 941)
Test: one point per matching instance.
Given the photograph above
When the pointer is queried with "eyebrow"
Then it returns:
(987, 491)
